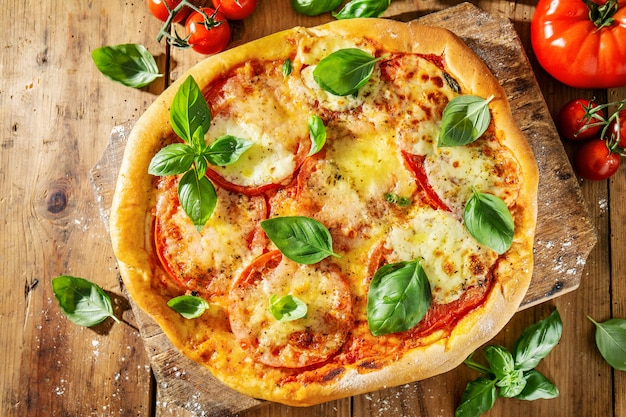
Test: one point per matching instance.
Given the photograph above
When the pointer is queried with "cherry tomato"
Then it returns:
(235, 9)
(617, 129)
(207, 36)
(581, 43)
(573, 117)
(595, 161)
(158, 8)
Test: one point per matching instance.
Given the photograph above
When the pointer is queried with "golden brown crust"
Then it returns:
(130, 216)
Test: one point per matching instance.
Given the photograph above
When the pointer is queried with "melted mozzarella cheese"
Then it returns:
(452, 259)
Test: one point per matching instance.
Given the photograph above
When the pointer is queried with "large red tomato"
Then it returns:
(581, 43)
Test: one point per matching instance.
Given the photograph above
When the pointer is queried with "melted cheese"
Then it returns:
(344, 187)
(300, 342)
(451, 258)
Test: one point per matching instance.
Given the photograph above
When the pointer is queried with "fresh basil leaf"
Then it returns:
(479, 397)
(536, 341)
(190, 111)
(538, 387)
(512, 384)
(398, 298)
(464, 120)
(500, 360)
(398, 200)
(201, 165)
(287, 67)
(301, 239)
(188, 306)
(343, 72)
(452, 83)
(317, 133)
(287, 308)
(129, 64)
(362, 8)
(510, 380)
(314, 7)
(174, 159)
(197, 197)
(226, 150)
(83, 302)
(611, 341)
(489, 221)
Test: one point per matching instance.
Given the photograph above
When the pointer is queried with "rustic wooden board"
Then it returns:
(564, 238)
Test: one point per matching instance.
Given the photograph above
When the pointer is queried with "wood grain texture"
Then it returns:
(564, 233)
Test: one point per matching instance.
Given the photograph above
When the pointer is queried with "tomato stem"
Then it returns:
(602, 14)
(166, 30)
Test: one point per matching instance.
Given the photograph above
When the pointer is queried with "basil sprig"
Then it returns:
(343, 72)
(299, 238)
(611, 341)
(512, 375)
(314, 7)
(489, 221)
(82, 301)
(362, 8)
(317, 133)
(188, 306)
(287, 308)
(464, 120)
(398, 297)
(129, 64)
(191, 118)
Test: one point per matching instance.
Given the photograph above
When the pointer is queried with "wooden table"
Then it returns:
(56, 114)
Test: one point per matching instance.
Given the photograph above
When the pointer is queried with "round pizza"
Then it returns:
(329, 211)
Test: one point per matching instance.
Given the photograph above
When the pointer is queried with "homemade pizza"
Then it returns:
(329, 211)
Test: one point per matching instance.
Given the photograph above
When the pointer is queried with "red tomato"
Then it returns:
(577, 50)
(235, 9)
(595, 161)
(158, 8)
(617, 129)
(207, 36)
(574, 122)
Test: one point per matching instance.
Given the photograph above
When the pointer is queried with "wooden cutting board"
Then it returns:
(564, 238)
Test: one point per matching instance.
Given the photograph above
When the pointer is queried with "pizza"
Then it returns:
(375, 228)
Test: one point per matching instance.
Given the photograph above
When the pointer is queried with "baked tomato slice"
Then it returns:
(415, 163)
(280, 137)
(207, 261)
(308, 340)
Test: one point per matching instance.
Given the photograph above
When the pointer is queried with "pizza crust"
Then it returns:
(130, 223)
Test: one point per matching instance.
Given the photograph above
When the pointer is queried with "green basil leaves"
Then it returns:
(317, 132)
(611, 341)
(489, 221)
(398, 298)
(512, 375)
(129, 64)
(314, 7)
(191, 118)
(363, 8)
(83, 302)
(464, 120)
(343, 72)
(287, 308)
(188, 306)
(301, 239)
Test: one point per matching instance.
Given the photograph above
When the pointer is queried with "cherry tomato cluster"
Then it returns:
(207, 29)
(603, 139)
